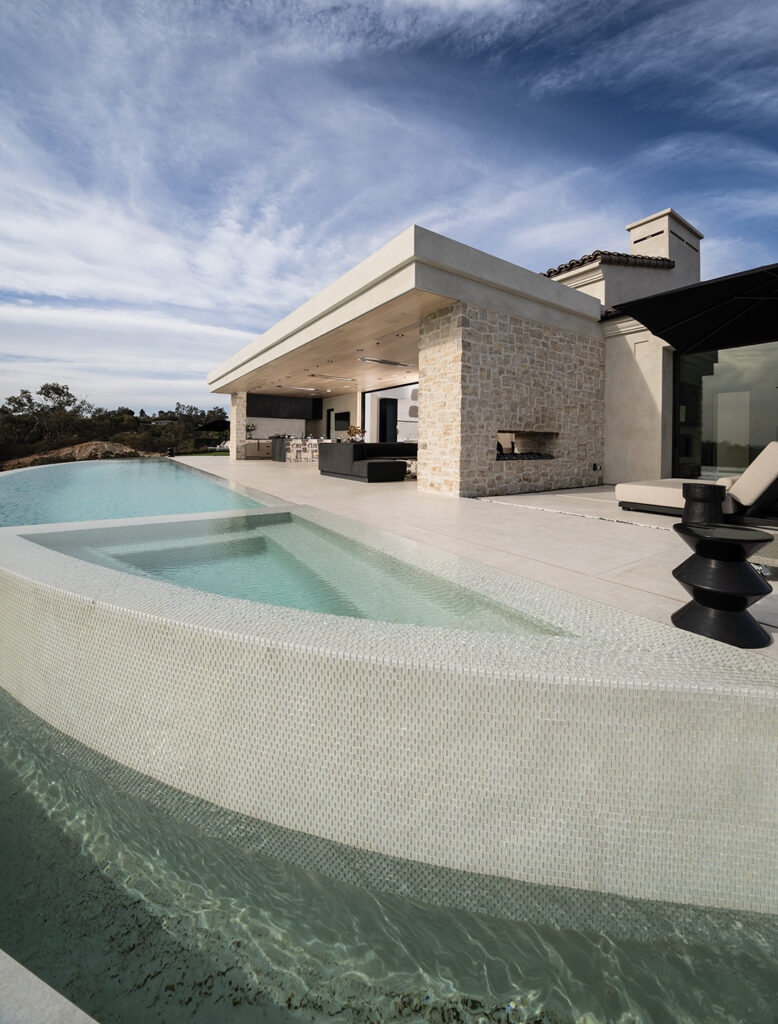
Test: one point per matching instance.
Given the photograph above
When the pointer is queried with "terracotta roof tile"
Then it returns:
(622, 258)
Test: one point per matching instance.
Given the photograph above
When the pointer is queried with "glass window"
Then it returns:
(726, 409)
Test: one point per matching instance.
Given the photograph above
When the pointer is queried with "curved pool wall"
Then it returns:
(624, 756)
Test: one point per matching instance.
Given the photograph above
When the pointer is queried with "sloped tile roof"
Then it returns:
(622, 258)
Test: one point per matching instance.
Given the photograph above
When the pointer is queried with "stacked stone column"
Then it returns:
(237, 424)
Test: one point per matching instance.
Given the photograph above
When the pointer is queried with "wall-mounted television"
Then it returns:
(342, 420)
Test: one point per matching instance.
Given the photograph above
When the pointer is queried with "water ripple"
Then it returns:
(313, 944)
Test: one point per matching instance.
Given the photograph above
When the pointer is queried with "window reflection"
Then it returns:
(727, 409)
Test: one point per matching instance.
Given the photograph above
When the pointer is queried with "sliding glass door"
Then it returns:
(726, 409)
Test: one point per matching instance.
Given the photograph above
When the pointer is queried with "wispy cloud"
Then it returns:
(216, 163)
(714, 56)
(111, 356)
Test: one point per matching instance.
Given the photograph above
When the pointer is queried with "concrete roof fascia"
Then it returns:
(278, 342)
(378, 267)
(467, 263)
(417, 259)
(489, 295)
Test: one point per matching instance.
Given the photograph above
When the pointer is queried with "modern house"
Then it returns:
(484, 354)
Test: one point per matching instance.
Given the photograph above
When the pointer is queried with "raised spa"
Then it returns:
(280, 558)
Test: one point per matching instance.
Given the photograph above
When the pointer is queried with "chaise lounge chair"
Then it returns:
(752, 495)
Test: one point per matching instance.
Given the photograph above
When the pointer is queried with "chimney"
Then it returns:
(668, 234)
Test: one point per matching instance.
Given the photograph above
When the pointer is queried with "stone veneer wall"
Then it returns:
(482, 371)
(440, 400)
(237, 423)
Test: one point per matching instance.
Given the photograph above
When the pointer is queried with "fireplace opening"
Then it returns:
(526, 445)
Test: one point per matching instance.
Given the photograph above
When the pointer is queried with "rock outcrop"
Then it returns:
(78, 453)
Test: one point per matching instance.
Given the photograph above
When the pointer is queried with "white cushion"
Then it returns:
(665, 493)
(755, 480)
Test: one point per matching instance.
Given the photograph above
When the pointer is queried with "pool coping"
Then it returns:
(27, 999)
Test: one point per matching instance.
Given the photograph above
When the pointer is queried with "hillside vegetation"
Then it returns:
(38, 427)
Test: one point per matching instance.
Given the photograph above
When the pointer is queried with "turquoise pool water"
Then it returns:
(283, 559)
(77, 491)
(143, 905)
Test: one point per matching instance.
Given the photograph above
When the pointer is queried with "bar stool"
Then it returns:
(295, 451)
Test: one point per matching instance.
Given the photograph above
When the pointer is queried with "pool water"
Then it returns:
(142, 904)
(79, 491)
(284, 559)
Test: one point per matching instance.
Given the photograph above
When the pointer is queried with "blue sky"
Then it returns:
(176, 175)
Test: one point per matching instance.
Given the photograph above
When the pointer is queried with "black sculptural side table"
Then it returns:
(702, 502)
(721, 583)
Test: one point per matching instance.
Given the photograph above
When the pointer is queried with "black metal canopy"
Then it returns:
(727, 312)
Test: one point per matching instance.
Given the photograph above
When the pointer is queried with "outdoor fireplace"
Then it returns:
(526, 445)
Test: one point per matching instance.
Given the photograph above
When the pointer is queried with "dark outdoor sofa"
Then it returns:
(369, 462)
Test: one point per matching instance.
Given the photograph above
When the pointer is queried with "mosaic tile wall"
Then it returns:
(482, 371)
(624, 757)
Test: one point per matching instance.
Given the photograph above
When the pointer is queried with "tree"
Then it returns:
(54, 417)
(58, 396)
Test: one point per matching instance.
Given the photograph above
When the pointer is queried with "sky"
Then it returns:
(177, 175)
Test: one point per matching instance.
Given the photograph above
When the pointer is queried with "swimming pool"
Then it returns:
(78, 491)
(441, 803)
(280, 558)
(246, 921)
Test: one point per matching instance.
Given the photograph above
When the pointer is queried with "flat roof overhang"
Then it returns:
(373, 312)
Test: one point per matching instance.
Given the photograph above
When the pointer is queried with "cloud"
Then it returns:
(112, 357)
(217, 163)
(704, 148)
(711, 55)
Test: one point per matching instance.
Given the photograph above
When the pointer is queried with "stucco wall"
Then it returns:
(484, 371)
(638, 404)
